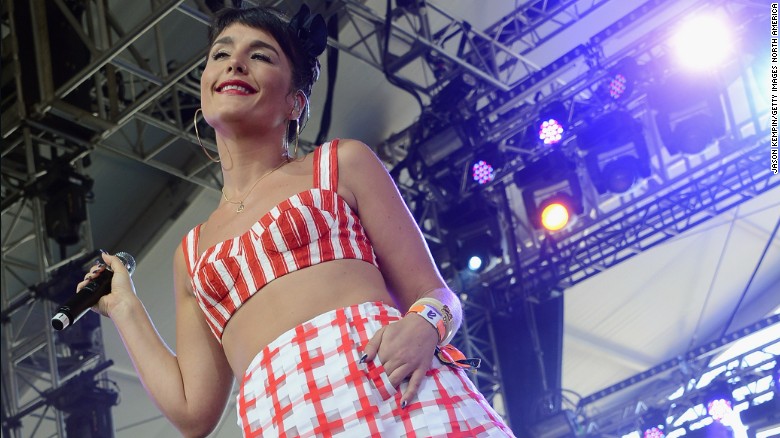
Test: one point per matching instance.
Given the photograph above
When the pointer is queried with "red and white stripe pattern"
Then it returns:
(311, 227)
(309, 382)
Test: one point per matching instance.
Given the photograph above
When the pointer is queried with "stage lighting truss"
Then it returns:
(550, 185)
(616, 154)
(745, 380)
(689, 114)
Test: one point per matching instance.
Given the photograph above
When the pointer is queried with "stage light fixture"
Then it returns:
(653, 424)
(616, 155)
(703, 42)
(552, 194)
(66, 205)
(689, 114)
(454, 93)
(482, 172)
(555, 212)
(475, 253)
(488, 160)
(620, 80)
(438, 146)
(552, 123)
(719, 400)
(473, 233)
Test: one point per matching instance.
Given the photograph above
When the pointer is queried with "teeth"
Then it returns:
(236, 87)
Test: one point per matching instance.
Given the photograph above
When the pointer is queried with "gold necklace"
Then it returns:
(240, 203)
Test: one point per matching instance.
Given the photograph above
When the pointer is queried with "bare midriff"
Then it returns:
(295, 298)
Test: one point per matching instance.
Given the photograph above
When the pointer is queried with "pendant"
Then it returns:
(240, 207)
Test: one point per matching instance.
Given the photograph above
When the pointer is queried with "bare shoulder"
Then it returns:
(358, 162)
(361, 173)
(355, 152)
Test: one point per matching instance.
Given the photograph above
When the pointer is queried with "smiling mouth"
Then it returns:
(235, 87)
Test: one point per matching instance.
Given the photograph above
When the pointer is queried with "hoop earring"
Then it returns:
(297, 134)
(197, 134)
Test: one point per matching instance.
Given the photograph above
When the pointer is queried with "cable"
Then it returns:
(398, 82)
(752, 277)
(333, 63)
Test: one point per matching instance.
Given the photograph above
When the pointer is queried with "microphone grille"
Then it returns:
(127, 260)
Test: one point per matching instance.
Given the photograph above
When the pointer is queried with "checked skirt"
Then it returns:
(309, 382)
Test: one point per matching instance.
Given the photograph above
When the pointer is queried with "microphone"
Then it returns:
(89, 295)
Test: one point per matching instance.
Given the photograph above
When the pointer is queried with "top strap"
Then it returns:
(190, 247)
(326, 166)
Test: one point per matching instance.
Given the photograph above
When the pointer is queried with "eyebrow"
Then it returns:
(255, 44)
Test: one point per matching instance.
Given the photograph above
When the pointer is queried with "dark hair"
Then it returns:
(305, 68)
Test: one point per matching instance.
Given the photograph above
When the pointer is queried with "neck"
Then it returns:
(245, 159)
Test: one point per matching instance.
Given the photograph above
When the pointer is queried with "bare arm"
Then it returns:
(409, 271)
(190, 388)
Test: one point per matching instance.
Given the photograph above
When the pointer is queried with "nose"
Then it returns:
(238, 66)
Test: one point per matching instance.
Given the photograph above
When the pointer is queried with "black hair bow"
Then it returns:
(310, 30)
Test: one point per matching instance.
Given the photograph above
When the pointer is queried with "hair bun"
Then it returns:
(311, 31)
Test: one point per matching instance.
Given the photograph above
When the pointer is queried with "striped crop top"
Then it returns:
(311, 227)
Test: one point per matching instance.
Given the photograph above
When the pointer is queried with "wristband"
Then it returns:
(446, 315)
(433, 316)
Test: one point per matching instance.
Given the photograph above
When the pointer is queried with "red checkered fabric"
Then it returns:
(310, 382)
(311, 227)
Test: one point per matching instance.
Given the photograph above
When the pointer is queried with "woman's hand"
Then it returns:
(122, 288)
(405, 349)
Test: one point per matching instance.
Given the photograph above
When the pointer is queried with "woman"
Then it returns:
(294, 283)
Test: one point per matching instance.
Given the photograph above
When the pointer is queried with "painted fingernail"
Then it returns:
(403, 404)
(104, 251)
(363, 358)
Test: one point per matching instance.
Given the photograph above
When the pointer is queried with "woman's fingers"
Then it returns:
(415, 381)
(372, 347)
(407, 348)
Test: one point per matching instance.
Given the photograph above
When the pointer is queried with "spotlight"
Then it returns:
(689, 114)
(718, 400)
(488, 160)
(616, 153)
(439, 145)
(703, 42)
(473, 233)
(555, 212)
(475, 253)
(653, 423)
(482, 172)
(551, 124)
(552, 194)
(620, 80)
(66, 205)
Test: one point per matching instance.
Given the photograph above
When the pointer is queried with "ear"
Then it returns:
(299, 104)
